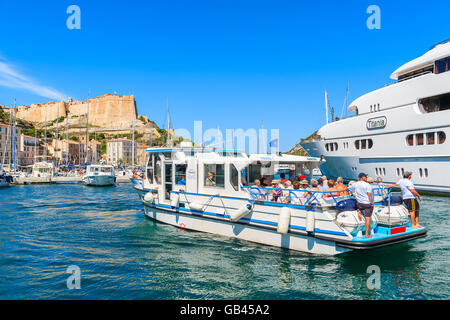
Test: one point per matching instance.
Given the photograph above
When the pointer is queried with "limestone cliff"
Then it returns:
(108, 111)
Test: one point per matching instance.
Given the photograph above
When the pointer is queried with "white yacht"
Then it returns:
(210, 190)
(404, 126)
(99, 175)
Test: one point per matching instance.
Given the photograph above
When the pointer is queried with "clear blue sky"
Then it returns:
(228, 63)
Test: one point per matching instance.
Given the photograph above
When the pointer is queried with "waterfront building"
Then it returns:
(120, 151)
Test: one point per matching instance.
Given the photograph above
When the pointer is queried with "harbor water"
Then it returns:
(121, 254)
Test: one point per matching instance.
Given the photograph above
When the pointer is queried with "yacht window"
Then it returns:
(441, 137)
(419, 139)
(180, 174)
(363, 144)
(234, 177)
(214, 175)
(426, 172)
(442, 65)
(357, 144)
(370, 143)
(420, 172)
(384, 171)
(106, 169)
(410, 140)
(327, 147)
(430, 138)
(435, 104)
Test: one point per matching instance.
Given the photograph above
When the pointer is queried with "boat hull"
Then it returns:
(99, 181)
(266, 235)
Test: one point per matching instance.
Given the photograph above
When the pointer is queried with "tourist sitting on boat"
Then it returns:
(296, 196)
(283, 178)
(287, 185)
(210, 182)
(331, 187)
(321, 185)
(325, 182)
(409, 195)
(364, 201)
(276, 192)
(135, 175)
(182, 181)
(340, 186)
(257, 191)
(314, 197)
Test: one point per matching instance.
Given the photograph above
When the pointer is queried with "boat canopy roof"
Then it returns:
(100, 166)
(223, 155)
(437, 52)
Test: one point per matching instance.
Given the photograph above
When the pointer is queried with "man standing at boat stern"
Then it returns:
(364, 199)
(409, 195)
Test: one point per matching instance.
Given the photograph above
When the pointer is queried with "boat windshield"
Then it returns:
(106, 169)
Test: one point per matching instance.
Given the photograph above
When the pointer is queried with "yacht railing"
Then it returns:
(309, 197)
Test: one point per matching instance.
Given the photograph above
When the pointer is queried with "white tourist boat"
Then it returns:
(99, 175)
(404, 126)
(208, 190)
(42, 169)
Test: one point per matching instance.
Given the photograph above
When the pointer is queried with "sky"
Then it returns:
(231, 64)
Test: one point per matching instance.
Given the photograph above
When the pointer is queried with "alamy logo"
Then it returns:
(374, 280)
(74, 280)
(374, 20)
(74, 20)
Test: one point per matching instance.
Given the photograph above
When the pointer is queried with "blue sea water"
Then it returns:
(121, 254)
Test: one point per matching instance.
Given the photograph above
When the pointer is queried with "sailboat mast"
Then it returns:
(168, 124)
(346, 103)
(326, 106)
(87, 130)
(14, 140)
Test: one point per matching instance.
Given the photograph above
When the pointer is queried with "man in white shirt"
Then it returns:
(409, 195)
(364, 200)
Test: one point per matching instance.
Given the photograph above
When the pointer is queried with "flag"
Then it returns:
(273, 143)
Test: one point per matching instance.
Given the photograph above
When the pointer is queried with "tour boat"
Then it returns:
(99, 175)
(211, 190)
(404, 126)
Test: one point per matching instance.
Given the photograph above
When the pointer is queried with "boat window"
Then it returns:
(430, 138)
(234, 177)
(254, 172)
(419, 139)
(426, 172)
(244, 176)
(106, 169)
(410, 139)
(158, 171)
(180, 174)
(168, 179)
(214, 175)
(435, 104)
(363, 144)
(150, 169)
(441, 137)
(420, 172)
(370, 143)
(442, 65)
(357, 144)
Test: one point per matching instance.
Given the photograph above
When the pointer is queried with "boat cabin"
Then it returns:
(217, 172)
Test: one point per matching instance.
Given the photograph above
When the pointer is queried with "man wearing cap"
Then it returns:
(409, 195)
(364, 200)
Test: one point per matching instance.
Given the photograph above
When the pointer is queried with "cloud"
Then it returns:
(11, 78)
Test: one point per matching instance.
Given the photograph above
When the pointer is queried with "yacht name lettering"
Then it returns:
(376, 123)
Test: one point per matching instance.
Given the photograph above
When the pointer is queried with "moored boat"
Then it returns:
(210, 190)
(99, 175)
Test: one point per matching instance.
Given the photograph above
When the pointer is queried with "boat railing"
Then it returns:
(310, 197)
